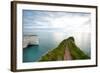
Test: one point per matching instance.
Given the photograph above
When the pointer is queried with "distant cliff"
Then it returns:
(30, 40)
(59, 52)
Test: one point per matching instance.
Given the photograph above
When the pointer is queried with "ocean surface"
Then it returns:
(50, 40)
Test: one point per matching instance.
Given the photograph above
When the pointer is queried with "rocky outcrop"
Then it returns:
(30, 40)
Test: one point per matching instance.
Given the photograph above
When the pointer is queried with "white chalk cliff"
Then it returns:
(30, 40)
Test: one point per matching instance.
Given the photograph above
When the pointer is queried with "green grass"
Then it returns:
(58, 52)
(76, 52)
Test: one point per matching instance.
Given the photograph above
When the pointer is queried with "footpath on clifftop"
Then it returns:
(66, 50)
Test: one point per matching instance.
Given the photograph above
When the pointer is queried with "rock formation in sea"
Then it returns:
(30, 40)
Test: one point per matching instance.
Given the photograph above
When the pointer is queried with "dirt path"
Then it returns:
(67, 55)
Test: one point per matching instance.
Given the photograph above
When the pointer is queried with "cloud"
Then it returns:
(73, 21)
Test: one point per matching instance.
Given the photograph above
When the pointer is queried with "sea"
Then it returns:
(49, 40)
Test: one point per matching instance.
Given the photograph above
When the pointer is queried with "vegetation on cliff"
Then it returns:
(58, 52)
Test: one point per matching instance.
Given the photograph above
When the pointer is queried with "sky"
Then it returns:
(35, 20)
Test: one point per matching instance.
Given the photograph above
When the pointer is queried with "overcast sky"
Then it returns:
(55, 21)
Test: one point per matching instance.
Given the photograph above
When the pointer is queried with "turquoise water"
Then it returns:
(50, 40)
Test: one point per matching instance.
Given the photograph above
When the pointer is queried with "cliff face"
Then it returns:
(66, 50)
(30, 40)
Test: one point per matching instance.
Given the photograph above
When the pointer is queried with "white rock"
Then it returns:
(30, 40)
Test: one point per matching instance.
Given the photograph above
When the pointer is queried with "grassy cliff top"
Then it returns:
(58, 52)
